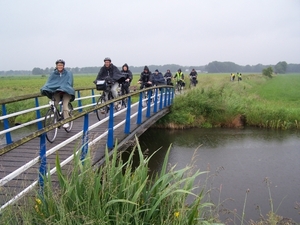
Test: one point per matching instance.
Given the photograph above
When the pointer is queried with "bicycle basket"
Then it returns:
(100, 85)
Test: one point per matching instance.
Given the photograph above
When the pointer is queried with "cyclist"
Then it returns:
(112, 75)
(60, 87)
(179, 76)
(128, 78)
(158, 78)
(145, 78)
(193, 77)
(168, 76)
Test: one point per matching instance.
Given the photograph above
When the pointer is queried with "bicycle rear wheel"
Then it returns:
(50, 119)
(70, 113)
(118, 105)
(103, 110)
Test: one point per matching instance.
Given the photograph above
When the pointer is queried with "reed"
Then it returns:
(117, 194)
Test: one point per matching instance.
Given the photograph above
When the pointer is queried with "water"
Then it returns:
(238, 160)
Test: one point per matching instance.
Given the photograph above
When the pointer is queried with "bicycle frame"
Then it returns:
(54, 115)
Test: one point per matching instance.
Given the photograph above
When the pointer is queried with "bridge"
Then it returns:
(27, 157)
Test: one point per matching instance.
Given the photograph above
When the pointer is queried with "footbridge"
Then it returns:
(26, 156)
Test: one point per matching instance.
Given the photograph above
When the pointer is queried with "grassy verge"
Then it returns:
(216, 101)
(255, 101)
(116, 194)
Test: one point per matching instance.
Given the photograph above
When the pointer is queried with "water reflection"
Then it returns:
(246, 156)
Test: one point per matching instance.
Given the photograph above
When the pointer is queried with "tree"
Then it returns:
(280, 67)
(268, 71)
(37, 71)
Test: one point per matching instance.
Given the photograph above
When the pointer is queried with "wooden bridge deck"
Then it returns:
(16, 158)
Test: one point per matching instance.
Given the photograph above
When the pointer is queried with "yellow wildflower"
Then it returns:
(176, 214)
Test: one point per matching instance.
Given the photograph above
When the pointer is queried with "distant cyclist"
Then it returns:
(145, 78)
(158, 78)
(168, 76)
(193, 77)
(112, 75)
(128, 78)
(179, 77)
(60, 87)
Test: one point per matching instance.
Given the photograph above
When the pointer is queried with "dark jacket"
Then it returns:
(127, 74)
(146, 76)
(59, 82)
(168, 75)
(158, 79)
(111, 72)
(193, 74)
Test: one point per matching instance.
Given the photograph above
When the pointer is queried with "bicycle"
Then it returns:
(145, 93)
(54, 115)
(105, 96)
(178, 86)
(193, 81)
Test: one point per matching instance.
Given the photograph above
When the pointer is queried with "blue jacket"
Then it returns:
(158, 79)
(59, 82)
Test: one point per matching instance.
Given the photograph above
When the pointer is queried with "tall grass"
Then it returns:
(117, 194)
(255, 101)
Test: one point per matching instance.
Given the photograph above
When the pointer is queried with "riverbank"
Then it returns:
(256, 101)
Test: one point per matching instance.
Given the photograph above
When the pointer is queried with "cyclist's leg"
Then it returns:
(66, 100)
(114, 90)
(56, 97)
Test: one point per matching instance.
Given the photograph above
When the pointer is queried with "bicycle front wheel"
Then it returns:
(50, 119)
(103, 110)
(70, 113)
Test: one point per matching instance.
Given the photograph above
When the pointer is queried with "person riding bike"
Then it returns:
(179, 77)
(158, 78)
(128, 78)
(60, 87)
(168, 76)
(145, 78)
(112, 75)
(193, 77)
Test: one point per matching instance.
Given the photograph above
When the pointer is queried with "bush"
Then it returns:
(268, 72)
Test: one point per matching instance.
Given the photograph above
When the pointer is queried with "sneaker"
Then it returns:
(67, 125)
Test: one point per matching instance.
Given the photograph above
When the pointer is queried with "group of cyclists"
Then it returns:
(59, 85)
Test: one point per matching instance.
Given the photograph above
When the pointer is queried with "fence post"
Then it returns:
(93, 98)
(128, 112)
(161, 100)
(165, 100)
(156, 100)
(148, 112)
(38, 114)
(6, 125)
(85, 137)
(110, 137)
(79, 101)
(140, 111)
(43, 162)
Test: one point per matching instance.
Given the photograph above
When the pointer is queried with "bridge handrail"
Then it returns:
(164, 100)
(30, 96)
(74, 116)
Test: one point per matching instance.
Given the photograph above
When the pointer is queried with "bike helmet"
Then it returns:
(179, 70)
(60, 61)
(107, 59)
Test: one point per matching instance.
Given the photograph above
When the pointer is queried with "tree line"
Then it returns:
(212, 67)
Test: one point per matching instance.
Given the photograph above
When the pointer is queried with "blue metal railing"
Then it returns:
(162, 97)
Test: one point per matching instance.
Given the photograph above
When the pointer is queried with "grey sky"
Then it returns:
(34, 33)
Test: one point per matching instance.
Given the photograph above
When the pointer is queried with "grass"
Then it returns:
(216, 101)
(255, 101)
(12, 86)
(116, 194)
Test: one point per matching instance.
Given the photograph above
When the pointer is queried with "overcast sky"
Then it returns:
(35, 33)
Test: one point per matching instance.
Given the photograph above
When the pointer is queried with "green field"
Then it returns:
(255, 101)
(216, 101)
